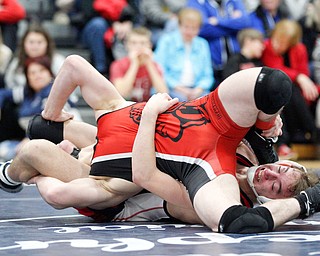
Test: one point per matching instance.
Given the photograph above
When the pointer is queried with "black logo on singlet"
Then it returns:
(187, 114)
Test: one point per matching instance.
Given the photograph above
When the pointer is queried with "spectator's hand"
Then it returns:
(213, 21)
(134, 57)
(121, 29)
(145, 56)
(236, 14)
(308, 88)
(159, 103)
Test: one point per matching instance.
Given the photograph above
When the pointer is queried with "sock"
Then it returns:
(5, 177)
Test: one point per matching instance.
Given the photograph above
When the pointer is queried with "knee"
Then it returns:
(243, 220)
(53, 195)
(71, 63)
(32, 150)
(272, 91)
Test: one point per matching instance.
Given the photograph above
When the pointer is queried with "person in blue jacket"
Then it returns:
(221, 22)
(185, 58)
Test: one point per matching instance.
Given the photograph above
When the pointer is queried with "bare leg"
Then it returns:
(97, 91)
(79, 133)
(43, 157)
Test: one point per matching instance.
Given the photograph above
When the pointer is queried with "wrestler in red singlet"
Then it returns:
(195, 141)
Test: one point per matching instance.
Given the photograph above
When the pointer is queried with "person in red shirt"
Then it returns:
(285, 51)
(11, 12)
(135, 75)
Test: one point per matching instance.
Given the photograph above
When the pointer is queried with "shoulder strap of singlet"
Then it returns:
(241, 159)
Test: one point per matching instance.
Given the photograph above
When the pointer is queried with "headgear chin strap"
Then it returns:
(250, 176)
(252, 170)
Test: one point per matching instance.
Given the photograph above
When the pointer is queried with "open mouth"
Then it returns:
(258, 174)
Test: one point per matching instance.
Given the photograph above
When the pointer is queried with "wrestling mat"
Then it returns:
(31, 227)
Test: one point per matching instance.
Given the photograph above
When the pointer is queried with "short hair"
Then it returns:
(288, 28)
(249, 33)
(308, 179)
(189, 14)
(142, 31)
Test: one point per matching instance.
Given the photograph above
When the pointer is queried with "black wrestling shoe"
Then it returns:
(262, 147)
(4, 186)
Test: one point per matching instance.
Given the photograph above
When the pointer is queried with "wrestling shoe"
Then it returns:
(262, 147)
(6, 184)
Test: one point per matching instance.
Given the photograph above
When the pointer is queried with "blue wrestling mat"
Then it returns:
(31, 227)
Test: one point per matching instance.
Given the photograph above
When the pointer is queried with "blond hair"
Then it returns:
(288, 28)
(141, 31)
(189, 14)
(249, 33)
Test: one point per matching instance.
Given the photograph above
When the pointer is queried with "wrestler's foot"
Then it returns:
(7, 184)
(262, 147)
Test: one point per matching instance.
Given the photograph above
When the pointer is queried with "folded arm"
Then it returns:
(144, 170)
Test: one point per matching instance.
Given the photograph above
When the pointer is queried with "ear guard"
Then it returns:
(252, 170)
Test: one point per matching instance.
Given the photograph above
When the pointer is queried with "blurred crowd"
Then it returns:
(183, 47)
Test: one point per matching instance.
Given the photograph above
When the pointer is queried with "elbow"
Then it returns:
(53, 197)
(139, 177)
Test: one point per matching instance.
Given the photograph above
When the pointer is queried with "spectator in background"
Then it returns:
(310, 23)
(160, 16)
(297, 8)
(122, 16)
(221, 22)
(91, 27)
(35, 42)
(185, 58)
(267, 14)
(39, 82)
(11, 12)
(5, 58)
(251, 48)
(285, 51)
(137, 74)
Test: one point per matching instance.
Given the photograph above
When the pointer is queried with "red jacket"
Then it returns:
(298, 58)
(110, 9)
(11, 11)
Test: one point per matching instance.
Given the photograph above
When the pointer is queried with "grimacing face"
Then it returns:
(275, 181)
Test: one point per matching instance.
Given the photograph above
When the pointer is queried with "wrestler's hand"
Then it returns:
(63, 116)
(66, 146)
(275, 130)
(159, 103)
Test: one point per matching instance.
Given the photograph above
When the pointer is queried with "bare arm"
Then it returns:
(144, 170)
(85, 192)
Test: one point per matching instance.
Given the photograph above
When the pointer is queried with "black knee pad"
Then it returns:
(272, 91)
(39, 128)
(242, 220)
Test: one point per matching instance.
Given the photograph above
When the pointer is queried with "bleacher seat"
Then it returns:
(38, 9)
